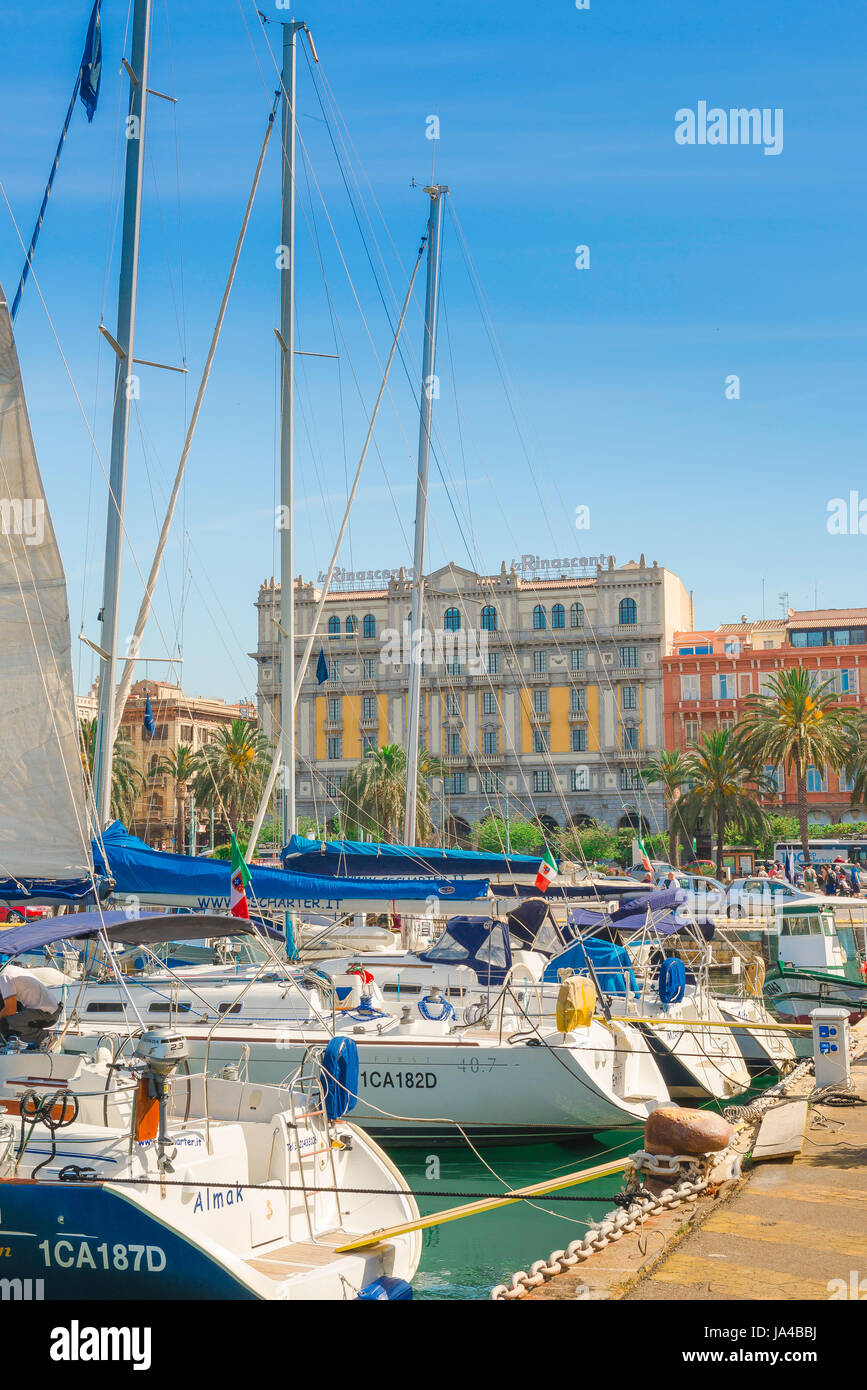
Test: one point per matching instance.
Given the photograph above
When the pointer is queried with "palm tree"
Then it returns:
(231, 772)
(797, 724)
(856, 758)
(720, 793)
(127, 779)
(671, 769)
(182, 766)
(373, 797)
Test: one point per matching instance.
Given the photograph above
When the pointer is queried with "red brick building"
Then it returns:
(707, 676)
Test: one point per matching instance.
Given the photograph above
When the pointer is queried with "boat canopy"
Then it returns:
(340, 858)
(659, 911)
(147, 929)
(201, 882)
(479, 943)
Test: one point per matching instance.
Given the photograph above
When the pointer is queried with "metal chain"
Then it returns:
(613, 1226)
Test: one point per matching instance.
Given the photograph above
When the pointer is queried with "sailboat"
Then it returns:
(44, 833)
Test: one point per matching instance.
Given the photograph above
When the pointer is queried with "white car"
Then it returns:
(749, 897)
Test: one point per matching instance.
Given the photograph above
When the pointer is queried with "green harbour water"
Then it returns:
(464, 1259)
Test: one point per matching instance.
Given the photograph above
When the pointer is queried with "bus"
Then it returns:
(852, 851)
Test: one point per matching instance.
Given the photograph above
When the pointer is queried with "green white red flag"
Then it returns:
(546, 872)
(646, 864)
(238, 883)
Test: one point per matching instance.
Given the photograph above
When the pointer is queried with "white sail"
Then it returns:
(43, 824)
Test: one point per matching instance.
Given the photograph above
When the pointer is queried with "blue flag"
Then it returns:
(321, 667)
(149, 723)
(91, 64)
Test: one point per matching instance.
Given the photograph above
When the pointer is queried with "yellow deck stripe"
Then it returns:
(729, 1280)
(806, 1192)
(786, 1233)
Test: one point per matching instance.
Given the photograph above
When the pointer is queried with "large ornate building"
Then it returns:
(709, 674)
(542, 686)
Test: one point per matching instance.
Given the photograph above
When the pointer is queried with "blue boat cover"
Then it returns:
(204, 883)
(671, 984)
(610, 961)
(54, 890)
(341, 858)
(340, 1077)
(123, 928)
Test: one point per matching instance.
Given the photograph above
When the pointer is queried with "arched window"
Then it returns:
(576, 615)
(539, 618)
(351, 625)
(489, 619)
(558, 615)
(333, 627)
(452, 620)
(628, 611)
(369, 625)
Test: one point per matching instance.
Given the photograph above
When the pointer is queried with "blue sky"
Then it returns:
(557, 130)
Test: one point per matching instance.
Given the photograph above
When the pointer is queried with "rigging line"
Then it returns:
(147, 598)
(112, 500)
(458, 417)
(479, 294)
(438, 464)
(341, 256)
(112, 224)
(334, 339)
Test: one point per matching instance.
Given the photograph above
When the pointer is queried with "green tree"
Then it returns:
(722, 794)
(182, 766)
(373, 797)
(127, 780)
(797, 724)
(524, 836)
(231, 772)
(671, 769)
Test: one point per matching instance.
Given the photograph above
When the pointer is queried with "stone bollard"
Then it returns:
(675, 1130)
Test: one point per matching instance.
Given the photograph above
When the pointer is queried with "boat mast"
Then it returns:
(286, 724)
(124, 383)
(434, 227)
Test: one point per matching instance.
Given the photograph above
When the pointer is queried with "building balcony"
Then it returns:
(539, 676)
(454, 759)
(369, 721)
(577, 716)
(333, 725)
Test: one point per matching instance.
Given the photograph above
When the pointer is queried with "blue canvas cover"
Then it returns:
(204, 883)
(610, 961)
(343, 858)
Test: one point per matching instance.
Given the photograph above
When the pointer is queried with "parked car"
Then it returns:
(707, 896)
(748, 897)
(9, 914)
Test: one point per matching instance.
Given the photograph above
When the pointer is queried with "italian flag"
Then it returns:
(546, 872)
(239, 880)
(643, 852)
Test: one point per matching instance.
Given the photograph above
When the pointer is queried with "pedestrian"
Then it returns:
(830, 882)
(810, 878)
(855, 878)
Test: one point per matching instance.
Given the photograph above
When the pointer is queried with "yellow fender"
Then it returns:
(576, 1002)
